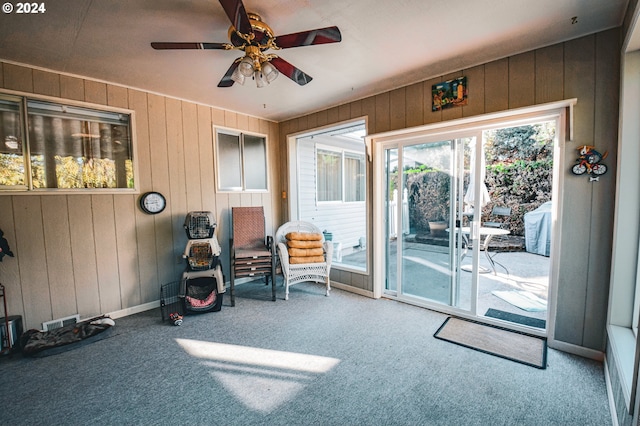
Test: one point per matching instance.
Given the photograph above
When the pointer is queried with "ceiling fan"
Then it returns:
(254, 37)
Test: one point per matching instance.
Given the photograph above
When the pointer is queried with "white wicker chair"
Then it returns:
(297, 273)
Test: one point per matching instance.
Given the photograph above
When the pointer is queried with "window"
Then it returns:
(624, 297)
(241, 161)
(329, 176)
(331, 166)
(66, 147)
(12, 164)
(328, 187)
(354, 170)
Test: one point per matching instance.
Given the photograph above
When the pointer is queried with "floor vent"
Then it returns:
(60, 322)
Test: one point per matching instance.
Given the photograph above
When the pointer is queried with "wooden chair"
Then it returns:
(252, 252)
(295, 273)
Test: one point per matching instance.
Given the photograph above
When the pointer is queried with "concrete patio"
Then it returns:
(426, 275)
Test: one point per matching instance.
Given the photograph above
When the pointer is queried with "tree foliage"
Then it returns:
(531, 143)
(71, 172)
(518, 175)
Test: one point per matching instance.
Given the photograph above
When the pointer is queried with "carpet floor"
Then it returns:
(312, 360)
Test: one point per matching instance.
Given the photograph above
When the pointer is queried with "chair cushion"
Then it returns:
(306, 259)
(305, 252)
(303, 236)
(304, 244)
(305, 247)
(243, 254)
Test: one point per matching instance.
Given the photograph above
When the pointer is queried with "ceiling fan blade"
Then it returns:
(237, 15)
(226, 80)
(179, 45)
(308, 38)
(290, 71)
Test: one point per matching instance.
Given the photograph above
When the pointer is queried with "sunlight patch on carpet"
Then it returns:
(247, 355)
(262, 380)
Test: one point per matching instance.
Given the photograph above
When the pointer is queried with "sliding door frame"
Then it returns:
(561, 112)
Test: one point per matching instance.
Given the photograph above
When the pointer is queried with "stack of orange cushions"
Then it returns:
(304, 247)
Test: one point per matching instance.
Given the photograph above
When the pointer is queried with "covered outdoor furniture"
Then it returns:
(304, 254)
(537, 230)
(252, 251)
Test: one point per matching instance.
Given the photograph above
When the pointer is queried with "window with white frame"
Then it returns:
(241, 161)
(340, 175)
(329, 175)
(63, 147)
(355, 173)
(329, 164)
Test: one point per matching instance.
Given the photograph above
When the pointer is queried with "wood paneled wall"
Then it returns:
(93, 254)
(588, 69)
(90, 254)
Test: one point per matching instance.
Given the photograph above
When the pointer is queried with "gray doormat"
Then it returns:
(515, 318)
(498, 341)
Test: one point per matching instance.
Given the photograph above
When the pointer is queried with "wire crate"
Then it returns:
(170, 300)
(199, 224)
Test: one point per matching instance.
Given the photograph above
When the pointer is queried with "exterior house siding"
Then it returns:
(343, 220)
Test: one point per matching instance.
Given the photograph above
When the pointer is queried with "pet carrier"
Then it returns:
(202, 285)
(202, 291)
(202, 254)
(199, 225)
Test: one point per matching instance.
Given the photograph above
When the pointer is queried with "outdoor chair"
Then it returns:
(499, 216)
(316, 271)
(252, 252)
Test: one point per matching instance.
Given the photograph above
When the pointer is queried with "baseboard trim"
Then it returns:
(156, 303)
(135, 309)
(352, 289)
(612, 402)
(576, 350)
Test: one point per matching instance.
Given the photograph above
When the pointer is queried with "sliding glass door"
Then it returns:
(425, 185)
(468, 221)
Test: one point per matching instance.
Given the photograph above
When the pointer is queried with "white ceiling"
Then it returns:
(385, 44)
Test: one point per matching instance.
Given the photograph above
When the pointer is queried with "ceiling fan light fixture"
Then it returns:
(237, 76)
(245, 67)
(269, 71)
(261, 80)
(249, 34)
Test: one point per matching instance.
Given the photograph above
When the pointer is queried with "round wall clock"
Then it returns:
(152, 202)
